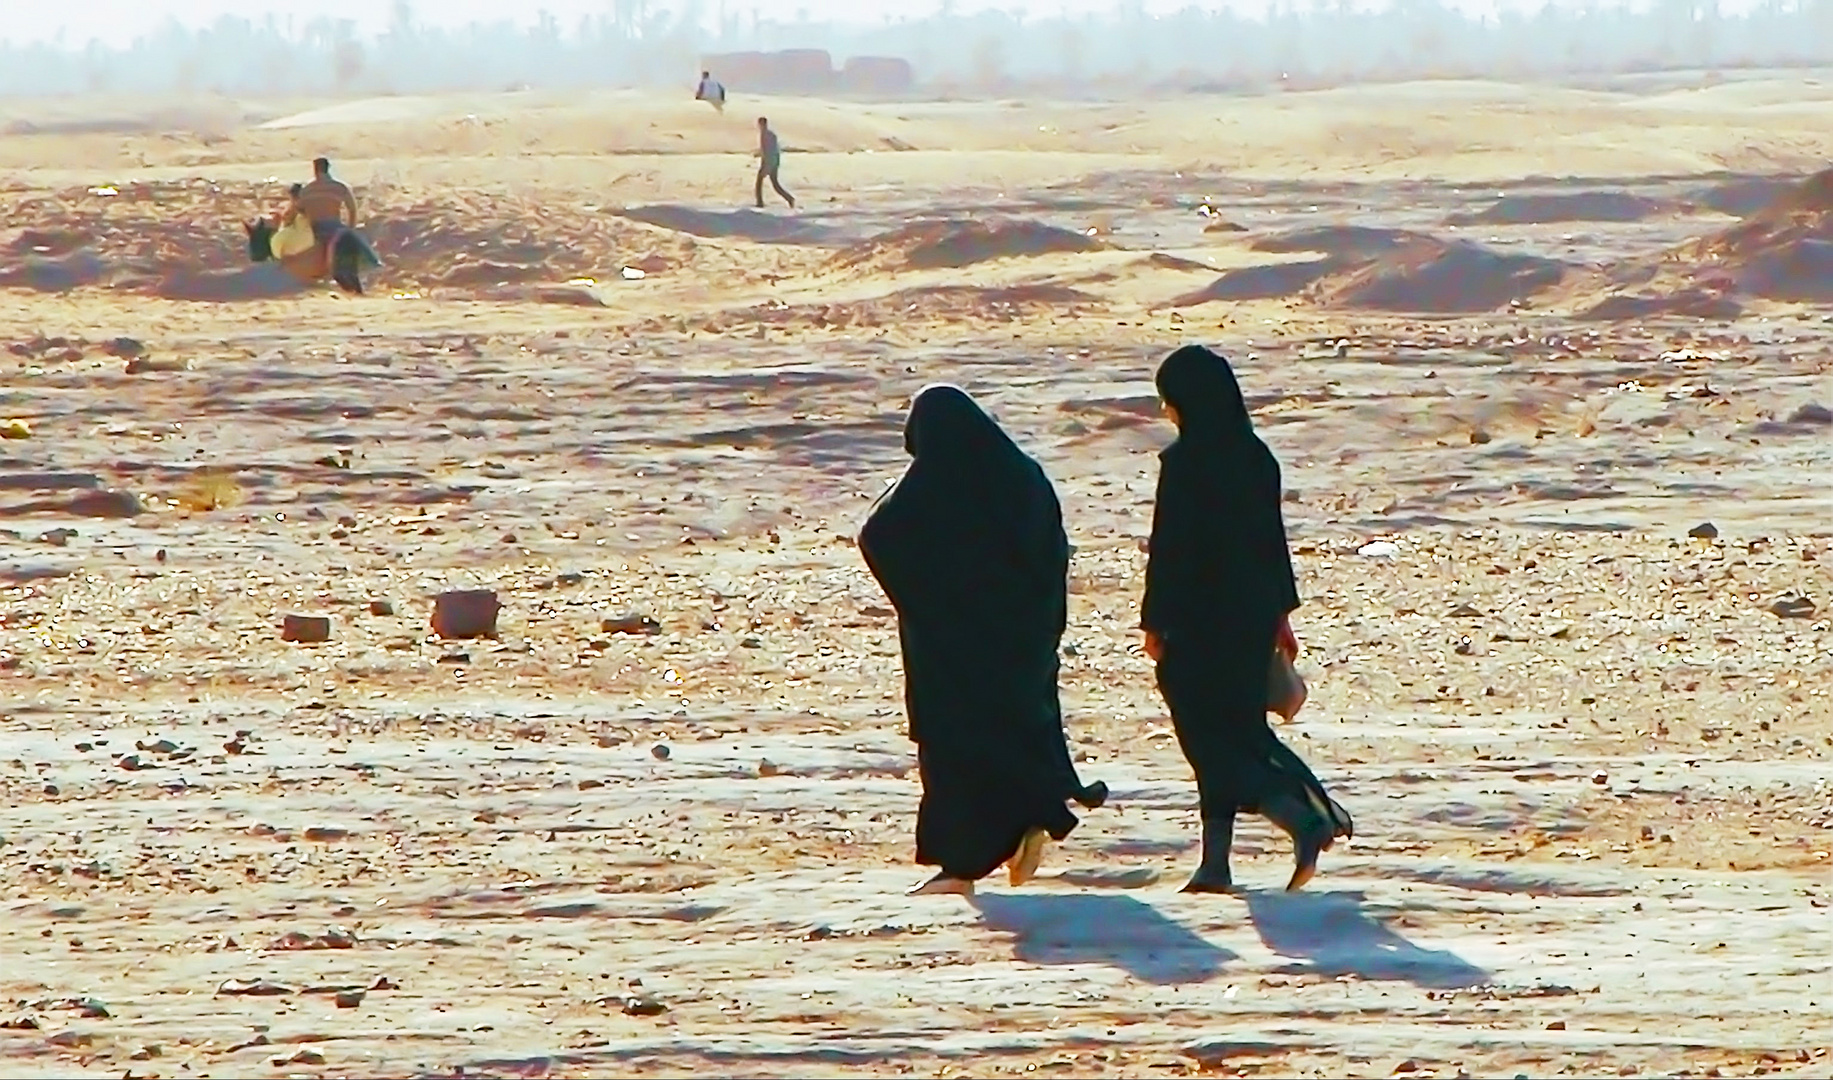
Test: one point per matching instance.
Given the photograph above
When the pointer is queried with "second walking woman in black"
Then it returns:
(1219, 589)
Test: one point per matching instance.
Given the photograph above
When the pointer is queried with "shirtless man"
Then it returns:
(323, 202)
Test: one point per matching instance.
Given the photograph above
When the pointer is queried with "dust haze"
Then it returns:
(952, 51)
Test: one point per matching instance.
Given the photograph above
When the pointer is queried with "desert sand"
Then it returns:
(1548, 371)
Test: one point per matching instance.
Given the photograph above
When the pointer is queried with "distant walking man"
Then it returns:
(323, 202)
(711, 92)
(770, 154)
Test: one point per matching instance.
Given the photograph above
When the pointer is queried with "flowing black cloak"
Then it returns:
(969, 547)
(1218, 579)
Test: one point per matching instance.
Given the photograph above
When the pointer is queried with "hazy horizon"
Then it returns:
(119, 22)
(1078, 48)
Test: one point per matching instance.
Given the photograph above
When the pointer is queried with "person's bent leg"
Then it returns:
(778, 184)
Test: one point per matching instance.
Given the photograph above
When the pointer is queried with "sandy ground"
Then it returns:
(1523, 341)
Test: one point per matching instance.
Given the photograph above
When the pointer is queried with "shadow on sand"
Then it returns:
(1338, 937)
(1117, 930)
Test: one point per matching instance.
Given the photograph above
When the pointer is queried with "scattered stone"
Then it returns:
(1812, 414)
(1556, 1025)
(305, 629)
(297, 941)
(631, 623)
(124, 348)
(325, 834)
(768, 768)
(1600, 778)
(57, 537)
(465, 613)
(1465, 611)
(643, 1005)
(70, 1039)
(381, 608)
(349, 999)
(659, 751)
(106, 504)
(1209, 1051)
(255, 988)
(1705, 530)
(1135, 877)
(1793, 607)
(26, 1022)
(143, 365)
(302, 1056)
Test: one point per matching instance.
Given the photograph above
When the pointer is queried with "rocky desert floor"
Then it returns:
(1548, 371)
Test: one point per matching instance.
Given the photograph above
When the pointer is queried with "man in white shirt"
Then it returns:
(711, 92)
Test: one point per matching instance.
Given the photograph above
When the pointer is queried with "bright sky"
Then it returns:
(118, 22)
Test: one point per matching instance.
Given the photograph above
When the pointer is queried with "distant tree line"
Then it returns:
(640, 43)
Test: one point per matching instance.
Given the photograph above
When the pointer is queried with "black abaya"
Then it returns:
(1218, 581)
(969, 546)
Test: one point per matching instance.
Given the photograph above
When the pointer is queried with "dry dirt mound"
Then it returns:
(1688, 303)
(1340, 241)
(1548, 208)
(1747, 195)
(1782, 252)
(1440, 276)
(955, 242)
(1269, 282)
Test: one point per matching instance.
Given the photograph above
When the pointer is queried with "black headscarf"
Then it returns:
(1218, 547)
(973, 528)
(1203, 389)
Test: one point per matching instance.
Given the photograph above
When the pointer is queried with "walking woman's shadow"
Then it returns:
(1332, 930)
(1086, 928)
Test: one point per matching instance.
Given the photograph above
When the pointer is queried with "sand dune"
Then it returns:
(1546, 370)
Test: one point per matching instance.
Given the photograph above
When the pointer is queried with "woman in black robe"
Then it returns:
(970, 548)
(1219, 590)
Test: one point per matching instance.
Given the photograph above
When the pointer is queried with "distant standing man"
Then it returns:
(711, 92)
(770, 154)
(323, 202)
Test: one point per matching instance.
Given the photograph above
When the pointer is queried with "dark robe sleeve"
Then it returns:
(1174, 554)
(899, 551)
(1276, 549)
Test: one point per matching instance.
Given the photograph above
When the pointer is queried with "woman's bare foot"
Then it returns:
(1202, 882)
(1023, 865)
(943, 885)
